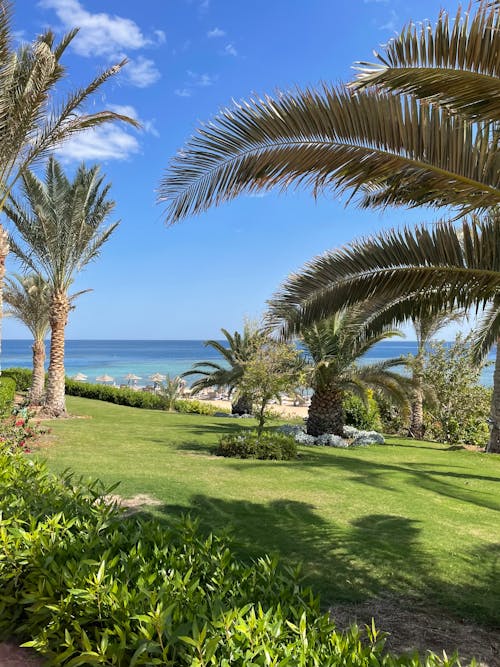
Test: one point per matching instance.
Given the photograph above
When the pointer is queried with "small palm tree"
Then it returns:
(171, 389)
(408, 271)
(426, 326)
(28, 299)
(333, 345)
(60, 229)
(32, 121)
(228, 374)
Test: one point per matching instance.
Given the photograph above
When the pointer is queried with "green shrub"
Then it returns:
(357, 414)
(135, 399)
(187, 406)
(7, 393)
(249, 445)
(85, 585)
(21, 376)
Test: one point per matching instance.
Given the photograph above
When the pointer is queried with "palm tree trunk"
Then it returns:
(494, 443)
(55, 402)
(326, 413)
(416, 428)
(242, 405)
(38, 380)
(4, 251)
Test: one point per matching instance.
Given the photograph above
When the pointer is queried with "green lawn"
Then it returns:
(407, 518)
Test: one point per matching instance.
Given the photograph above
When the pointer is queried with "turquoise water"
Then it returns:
(117, 358)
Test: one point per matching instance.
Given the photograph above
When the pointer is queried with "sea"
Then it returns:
(118, 358)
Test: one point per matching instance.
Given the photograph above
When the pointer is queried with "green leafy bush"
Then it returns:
(135, 399)
(188, 406)
(21, 376)
(249, 445)
(364, 417)
(85, 585)
(7, 393)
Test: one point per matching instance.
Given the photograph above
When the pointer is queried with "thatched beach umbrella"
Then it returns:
(80, 377)
(157, 378)
(105, 378)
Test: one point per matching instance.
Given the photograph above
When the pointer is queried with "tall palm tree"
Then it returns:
(32, 120)
(426, 326)
(28, 300)
(59, 224)
(432, 269)
(383, 147)
(333, 346)
(238, 351)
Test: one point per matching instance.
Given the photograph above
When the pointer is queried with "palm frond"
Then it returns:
(441, 268)
(487, 331)
(453, 63)
(379, 147)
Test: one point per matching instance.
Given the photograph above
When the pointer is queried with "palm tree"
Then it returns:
(230, 373)
(426, 326)
(333, 345)
(28, 298)
(386, 148)
(408, 270)
(32, 120)
(60, 231)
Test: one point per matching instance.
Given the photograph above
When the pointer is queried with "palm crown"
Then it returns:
(59, 229)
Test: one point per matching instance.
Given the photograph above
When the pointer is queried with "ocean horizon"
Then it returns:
(119, 357)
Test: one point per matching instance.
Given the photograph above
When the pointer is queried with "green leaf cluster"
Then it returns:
(7, 393)
(85, 585)
(250, 445)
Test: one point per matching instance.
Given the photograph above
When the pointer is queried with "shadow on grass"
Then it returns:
(375, 555)
(437, 478)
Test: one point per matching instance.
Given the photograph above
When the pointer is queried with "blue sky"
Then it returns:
(189, 58)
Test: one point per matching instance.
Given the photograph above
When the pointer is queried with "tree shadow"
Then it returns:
(429, 476)
(376, 555)
(372, 554)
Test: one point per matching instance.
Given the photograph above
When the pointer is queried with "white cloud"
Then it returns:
(392, 24)
(160, 36)
(229, 50)
(202, 80)
(110, 142)
(183, 92)
(216, 32)
(100, 34)
(109, 35)
(142, 72)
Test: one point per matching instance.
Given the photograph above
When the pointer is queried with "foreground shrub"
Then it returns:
(86, 586)
(251, 445)
(21, 376)
(7, 394)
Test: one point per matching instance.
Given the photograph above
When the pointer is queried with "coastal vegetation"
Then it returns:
(390, 519)
(86, 583)
(332, 347)
(33, 117)
(28, 299)
(147, 592)
(228, 374)
(60, 229)
(382, 140)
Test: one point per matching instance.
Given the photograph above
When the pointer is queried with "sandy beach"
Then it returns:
(286, 411)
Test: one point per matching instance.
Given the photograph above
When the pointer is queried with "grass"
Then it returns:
(410, 519)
